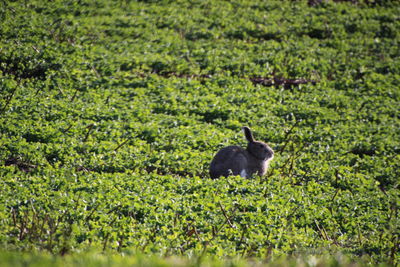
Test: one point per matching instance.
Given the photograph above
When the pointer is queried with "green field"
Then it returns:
(111, 111)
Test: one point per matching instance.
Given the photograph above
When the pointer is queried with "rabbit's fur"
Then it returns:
(235, 160)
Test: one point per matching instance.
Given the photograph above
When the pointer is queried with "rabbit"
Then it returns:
(235, 160)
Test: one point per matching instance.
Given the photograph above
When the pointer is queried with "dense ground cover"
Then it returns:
(112, 111)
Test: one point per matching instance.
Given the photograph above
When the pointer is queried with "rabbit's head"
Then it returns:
(257, 149)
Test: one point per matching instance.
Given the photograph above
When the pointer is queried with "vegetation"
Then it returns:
(111, 111)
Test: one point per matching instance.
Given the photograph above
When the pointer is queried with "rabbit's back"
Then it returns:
(231, 160)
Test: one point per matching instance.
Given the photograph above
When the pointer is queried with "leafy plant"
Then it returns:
(111, 113)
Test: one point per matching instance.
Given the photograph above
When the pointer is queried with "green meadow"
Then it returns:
(111, 111)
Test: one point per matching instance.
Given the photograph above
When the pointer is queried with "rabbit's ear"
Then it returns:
(248, 134)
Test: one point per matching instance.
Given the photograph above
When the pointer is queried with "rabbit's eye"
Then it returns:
(261, 145)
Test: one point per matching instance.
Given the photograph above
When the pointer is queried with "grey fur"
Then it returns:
(233, 160)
